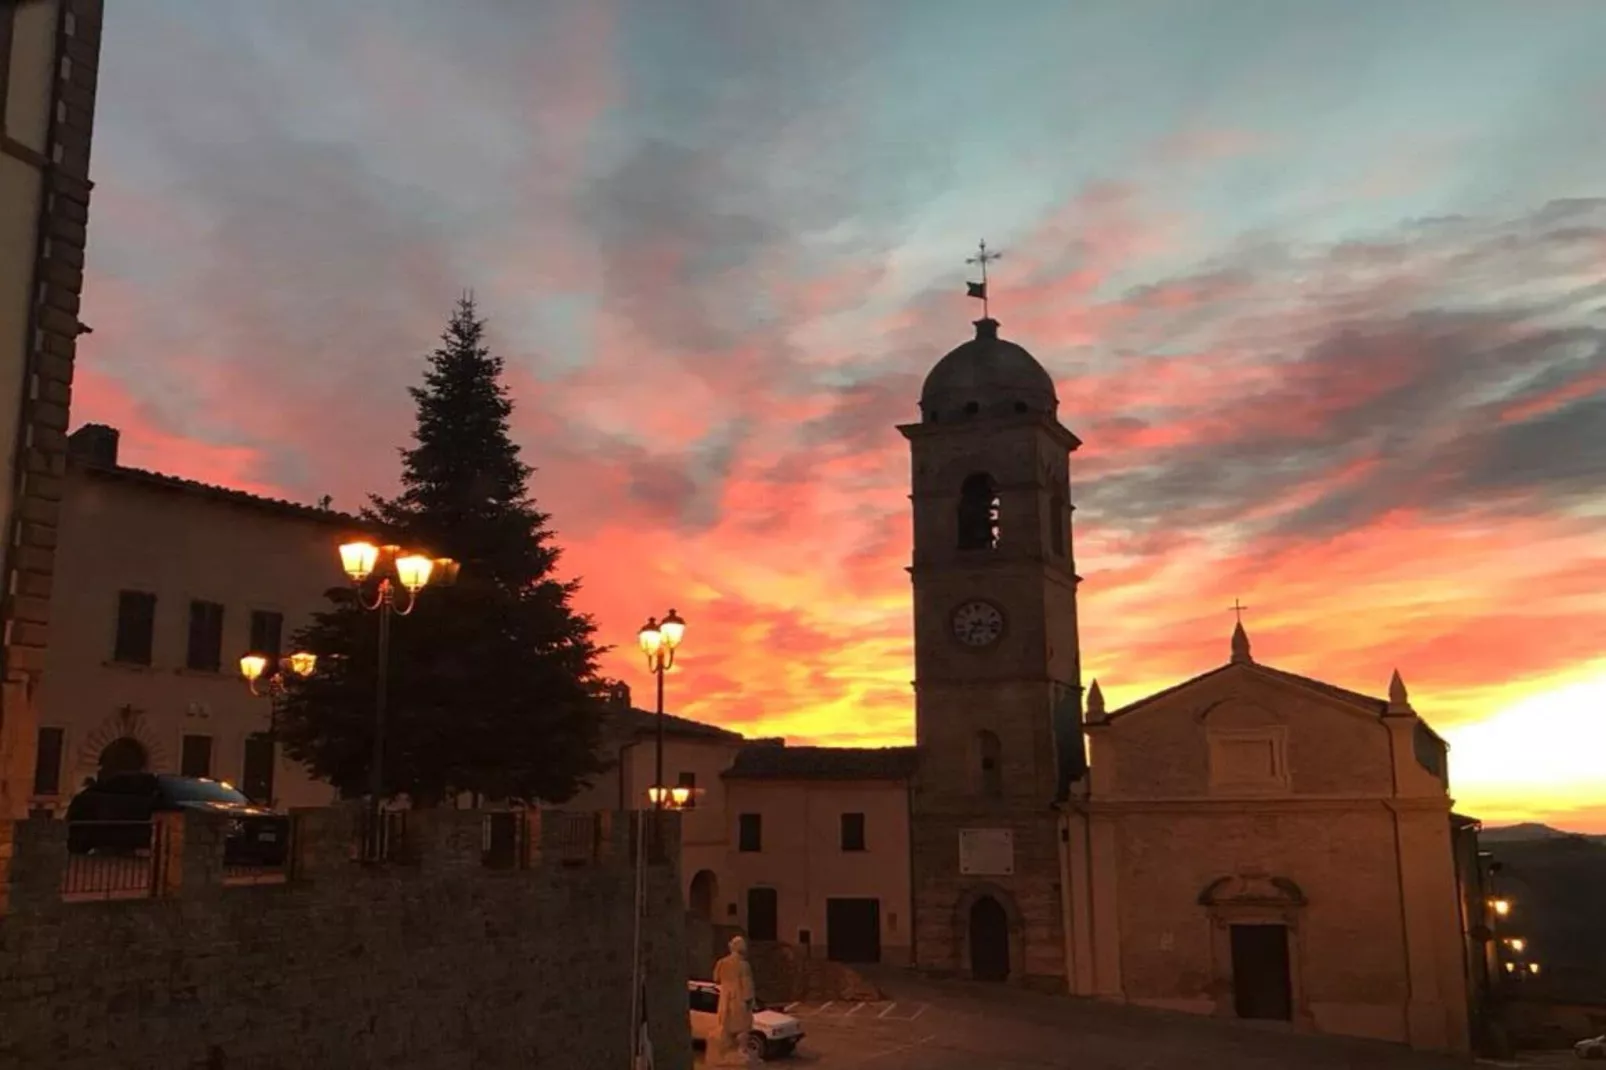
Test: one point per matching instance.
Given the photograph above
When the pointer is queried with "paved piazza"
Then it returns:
(960, 1026)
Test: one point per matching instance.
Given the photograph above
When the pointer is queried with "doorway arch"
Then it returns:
(989, 934)
(989, 940)
(703, 894)
(125, 754)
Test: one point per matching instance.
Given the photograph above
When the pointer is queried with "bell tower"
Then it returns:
(997, 666)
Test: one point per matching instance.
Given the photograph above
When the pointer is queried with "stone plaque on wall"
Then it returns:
(986, 852)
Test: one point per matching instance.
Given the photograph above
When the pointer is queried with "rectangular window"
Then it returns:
(853, 832)
(47, 762)
(267, 631)
(196, 758)
(136, 627)
(206, 637)
(257, 779)
(689, 782)
(749, 832)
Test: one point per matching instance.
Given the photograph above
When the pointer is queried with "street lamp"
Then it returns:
(1502, 907)
(400, 577)
(659, 641)
(674, 798)
(263, 684)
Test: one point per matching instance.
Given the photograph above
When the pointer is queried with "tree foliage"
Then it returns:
(492, 680)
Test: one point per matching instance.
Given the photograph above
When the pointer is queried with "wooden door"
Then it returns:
(1262, 987)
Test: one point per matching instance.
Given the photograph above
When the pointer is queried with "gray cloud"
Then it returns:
(1427, 353)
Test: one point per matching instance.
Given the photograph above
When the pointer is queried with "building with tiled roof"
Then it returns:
(163, 584)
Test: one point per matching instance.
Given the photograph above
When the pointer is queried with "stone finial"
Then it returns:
(1095, 703)
(1240, 646)
(1399, 699)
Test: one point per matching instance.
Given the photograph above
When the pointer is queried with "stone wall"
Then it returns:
(437, 961)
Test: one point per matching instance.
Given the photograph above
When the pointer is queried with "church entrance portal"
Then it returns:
(1261, 985)
(123, 755)
(989, 940)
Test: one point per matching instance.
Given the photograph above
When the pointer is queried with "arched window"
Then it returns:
(1058, 544)
(989, 764)
(978, 513)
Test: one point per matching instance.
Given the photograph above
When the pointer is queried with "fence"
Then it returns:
(505, 840)
(574, 839)
(384, 839)
(113, 860)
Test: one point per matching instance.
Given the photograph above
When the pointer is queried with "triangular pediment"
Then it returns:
(1247, 680)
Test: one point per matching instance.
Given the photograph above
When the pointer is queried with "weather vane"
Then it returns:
(979, 289)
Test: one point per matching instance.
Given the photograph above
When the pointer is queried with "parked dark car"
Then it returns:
(112, 816)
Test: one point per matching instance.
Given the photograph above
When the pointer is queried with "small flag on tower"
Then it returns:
(979, 289)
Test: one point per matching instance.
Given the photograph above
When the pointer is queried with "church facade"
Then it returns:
(1249, 843)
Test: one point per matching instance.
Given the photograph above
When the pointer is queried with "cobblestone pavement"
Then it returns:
(960, 1026)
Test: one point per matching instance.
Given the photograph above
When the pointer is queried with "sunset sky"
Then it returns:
(1323, 286)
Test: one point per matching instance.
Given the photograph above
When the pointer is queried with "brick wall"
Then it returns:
(438, 962)
(52, 340)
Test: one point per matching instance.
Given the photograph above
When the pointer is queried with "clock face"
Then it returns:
(978, 623)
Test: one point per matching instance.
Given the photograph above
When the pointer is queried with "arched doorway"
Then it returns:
(704, 893)
(989, 940)
(123, 755)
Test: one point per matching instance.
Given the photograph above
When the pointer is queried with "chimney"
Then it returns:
(619, 696)
(95, 443)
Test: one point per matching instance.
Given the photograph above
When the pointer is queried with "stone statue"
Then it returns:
(734, 1017)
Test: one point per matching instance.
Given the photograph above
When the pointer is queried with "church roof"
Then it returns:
(772, 761)
(987, 376)
(1369, 703)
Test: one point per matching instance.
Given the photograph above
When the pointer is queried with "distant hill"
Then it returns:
(1530, 830)
(1557, 884)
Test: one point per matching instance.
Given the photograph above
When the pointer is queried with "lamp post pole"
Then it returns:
(376, 764)
(400, 577)
(659, 641)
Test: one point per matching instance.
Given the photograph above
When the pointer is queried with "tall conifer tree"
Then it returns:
(493, 685)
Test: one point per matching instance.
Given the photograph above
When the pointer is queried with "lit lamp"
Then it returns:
(397, 578)
(1517, 943)
(658, 641)
(674, 798)
(1533, 968)
(254, 667)
(1502, 907)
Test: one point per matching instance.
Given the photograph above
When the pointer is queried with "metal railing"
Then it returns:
(504, 841)
(113, 860)
(573, 839)
(384, 839)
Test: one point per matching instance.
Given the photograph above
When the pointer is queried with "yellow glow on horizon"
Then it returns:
(1538, 755)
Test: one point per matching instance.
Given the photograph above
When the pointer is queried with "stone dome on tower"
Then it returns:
(987, 376)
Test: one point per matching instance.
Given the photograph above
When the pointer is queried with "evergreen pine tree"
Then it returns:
(492, 680)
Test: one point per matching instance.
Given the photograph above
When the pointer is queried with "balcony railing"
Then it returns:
(113, 860)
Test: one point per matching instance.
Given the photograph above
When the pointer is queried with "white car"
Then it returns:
(1593, 1048)
(775, 1035)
